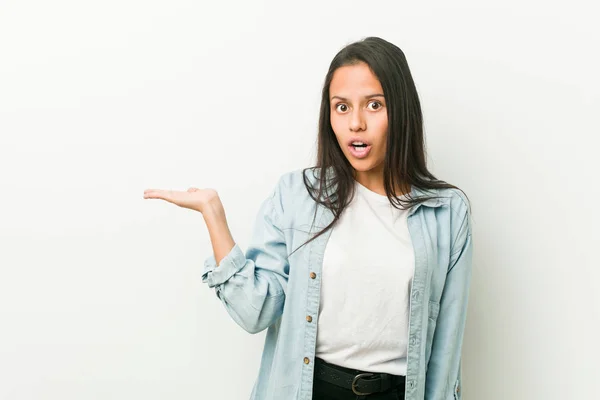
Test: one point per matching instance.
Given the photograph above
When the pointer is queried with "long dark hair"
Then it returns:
(405, 159)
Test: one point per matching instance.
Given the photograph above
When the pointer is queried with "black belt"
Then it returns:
(363, 383)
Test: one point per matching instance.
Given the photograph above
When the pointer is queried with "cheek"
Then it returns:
(335, 124)
(381, 122)
(381, 127)
(337, 127)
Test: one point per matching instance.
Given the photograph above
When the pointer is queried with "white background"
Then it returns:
(100, 290)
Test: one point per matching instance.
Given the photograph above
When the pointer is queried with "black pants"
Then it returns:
(327, 391)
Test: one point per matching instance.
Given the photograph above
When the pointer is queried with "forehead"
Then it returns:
(356, 78)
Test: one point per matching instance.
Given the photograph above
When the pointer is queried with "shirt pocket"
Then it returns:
(434, 309)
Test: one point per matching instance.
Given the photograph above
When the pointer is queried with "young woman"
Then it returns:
(358, 267)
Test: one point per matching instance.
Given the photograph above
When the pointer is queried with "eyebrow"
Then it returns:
(366, 97)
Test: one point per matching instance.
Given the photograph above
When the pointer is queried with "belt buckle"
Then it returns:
(356, 378)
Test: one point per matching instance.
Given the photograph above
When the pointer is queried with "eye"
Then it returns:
(341, 104)
(378, 103)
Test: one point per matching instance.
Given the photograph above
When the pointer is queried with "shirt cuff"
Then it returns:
(215, 275)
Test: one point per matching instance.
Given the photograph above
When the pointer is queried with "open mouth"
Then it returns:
(359, 150)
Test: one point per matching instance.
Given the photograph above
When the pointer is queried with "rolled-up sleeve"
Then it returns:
(444, 369)
(252, 285)
(230, 264)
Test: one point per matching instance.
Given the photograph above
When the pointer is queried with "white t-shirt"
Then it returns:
(366, 279)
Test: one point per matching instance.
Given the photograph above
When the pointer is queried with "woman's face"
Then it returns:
(359, 113)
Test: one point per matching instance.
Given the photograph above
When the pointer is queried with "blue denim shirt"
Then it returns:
(262, 289)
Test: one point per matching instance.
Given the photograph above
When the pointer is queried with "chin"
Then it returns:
(365, 165)
(362, 166)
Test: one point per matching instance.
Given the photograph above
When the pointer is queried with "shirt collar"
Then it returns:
(416, 192)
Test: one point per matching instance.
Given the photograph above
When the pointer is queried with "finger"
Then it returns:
(152, 190)
(167, 195)
(155, 194)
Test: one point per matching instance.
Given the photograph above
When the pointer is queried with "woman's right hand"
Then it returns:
(194, 198)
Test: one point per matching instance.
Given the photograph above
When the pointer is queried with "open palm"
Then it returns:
(193, 198)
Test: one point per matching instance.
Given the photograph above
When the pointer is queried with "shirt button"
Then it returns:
(306, 360)
(411, 384)
(309, 318)
(413, 340)
(415, 295)
(313, 275)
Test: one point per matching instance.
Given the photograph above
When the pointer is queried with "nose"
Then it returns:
(357, 122)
